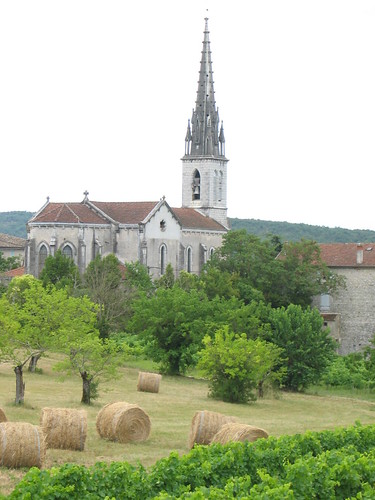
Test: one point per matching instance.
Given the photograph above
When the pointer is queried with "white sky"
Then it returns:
(96, 95)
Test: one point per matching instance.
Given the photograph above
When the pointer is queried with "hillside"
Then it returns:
(14, 223)
(294, 232)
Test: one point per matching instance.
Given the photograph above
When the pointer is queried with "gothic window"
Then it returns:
(163, 225)
(220, 187)
(163, 259)
(212, 251)
(189, 263)
(67, 251)
(196, 186)
(43, 252)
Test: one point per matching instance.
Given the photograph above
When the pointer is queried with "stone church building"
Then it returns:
(150, 232)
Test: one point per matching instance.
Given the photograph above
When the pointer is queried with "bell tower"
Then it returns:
(204, 165)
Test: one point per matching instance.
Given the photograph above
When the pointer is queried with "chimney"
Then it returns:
(359, 253)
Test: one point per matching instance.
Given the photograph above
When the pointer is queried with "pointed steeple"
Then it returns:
(204, 139)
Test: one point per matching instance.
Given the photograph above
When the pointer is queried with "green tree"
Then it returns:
(38, 318)
(236, 366)
(102, 282)
(167, 280)
(93, 359)
(9, 263)
(252, 264)
(307, 346)
(60, 270)
(171, 322)
(137, 278)
(304, 274)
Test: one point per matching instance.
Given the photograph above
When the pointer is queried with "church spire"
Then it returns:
(204, 138)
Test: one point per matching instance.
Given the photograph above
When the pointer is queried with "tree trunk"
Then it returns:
(260, 389)
(33, 362)
(20, 385)
(86, 386)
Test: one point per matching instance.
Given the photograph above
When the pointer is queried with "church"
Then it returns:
(150, 232)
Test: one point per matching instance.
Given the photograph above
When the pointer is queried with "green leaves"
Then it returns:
(328, 464)
(236, 365)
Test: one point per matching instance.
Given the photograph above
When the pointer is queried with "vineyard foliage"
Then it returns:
(326, 464)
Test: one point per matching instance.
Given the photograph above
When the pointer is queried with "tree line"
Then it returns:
(14, 223)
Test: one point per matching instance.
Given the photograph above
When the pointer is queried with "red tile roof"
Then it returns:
(191, 219)
(126, 212)
(121, 212)
(345, 254)
(19, 271)
(68, 213)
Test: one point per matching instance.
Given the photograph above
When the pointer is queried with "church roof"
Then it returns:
(126, 212)
(192, 219)
(68, 213)
(348, 254)
(8, 241)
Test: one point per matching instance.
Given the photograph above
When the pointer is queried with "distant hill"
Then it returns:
(294, 232)
(14, 223)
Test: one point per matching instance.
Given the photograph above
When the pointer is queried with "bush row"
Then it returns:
(327, 464)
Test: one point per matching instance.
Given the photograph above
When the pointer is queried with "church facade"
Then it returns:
(152, 233)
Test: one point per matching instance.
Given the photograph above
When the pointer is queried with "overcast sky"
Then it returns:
(95, 95)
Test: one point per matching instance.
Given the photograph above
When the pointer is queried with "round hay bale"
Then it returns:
(148, 382)
(238, 432)
(21, 445)
(205, 425)
(64, 428)
(3, 417)
(123, 422)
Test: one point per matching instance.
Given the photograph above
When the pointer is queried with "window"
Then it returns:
(189, 263)
(67, 251)
(163, 259)
(196, 186)
(163, 225)
(43, 252)
(325, 302)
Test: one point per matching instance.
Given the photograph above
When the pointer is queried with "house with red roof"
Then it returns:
(150, 232)
(350, 312)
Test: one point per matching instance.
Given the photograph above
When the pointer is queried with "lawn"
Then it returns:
(170, 411)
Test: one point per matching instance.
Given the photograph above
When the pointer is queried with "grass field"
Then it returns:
(170, 411)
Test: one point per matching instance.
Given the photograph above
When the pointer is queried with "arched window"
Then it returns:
(189, 263)
(163, 259)
(196, 185)
(67, 251)
(212, 251)
(43, 253)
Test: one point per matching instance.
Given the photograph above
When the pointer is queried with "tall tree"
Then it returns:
(171, 323)
(38, 317)
(307, 346)
(61, 271)
(102, 283)
(304, 274)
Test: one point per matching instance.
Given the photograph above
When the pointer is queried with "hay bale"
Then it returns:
(3, 417)
(64, 428)
(21, 445)
(205, 425)
(238, 432)
(148, 382)
(123, 422)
